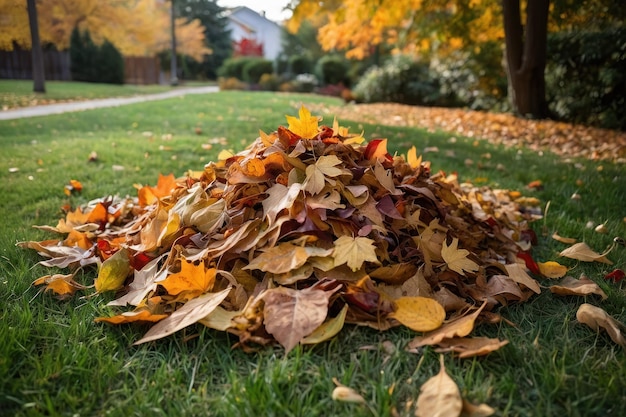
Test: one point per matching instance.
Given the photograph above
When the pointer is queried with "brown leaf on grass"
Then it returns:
(468, 347)
(439, 396)
(190, 313)
(473, 410)
(517, 272)
(568, 240)
(291, 315)
(459, 327)
(346, 394)
(598, 319)
(582, 252)
(583, 286)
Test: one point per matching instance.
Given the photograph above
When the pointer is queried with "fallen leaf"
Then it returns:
(306, 126)
(597, 319)
(562, 239)
(280, 259)
(473, 410)
(113, 272)
(616, 275)
(582, 286)
(346, 394)
(518, 274)
(582, 252)
(190, 313)
(456, 259)
(131, 317)
(328, 329)
(419, 313)
(552, 269)
(62, 285)
(192, 279)
(468, 347)
(290, 315)
(439, 396)
(354, 252)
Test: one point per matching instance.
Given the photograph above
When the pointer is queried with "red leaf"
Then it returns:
(530, 262)
(617, 275)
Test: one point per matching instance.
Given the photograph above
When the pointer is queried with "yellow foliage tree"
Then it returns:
(135, 27)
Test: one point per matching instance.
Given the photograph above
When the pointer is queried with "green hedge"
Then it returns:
(92, 63)
(586, 77)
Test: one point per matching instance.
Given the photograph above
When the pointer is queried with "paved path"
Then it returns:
(95, 104)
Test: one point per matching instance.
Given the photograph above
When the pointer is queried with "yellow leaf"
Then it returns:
(456, 259)
(113, 272)
(596, 318)
(192, 278)
(354, 251)
(62, 285)
(439, 396)
(413, 160)
(328, 329)
(306, 126)
(552, 269)
(280, 259)
(421, 314)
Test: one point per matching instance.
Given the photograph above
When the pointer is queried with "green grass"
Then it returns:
(19, 93)
(54, 360)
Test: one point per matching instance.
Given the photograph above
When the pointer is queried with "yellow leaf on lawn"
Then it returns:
(458, 327)
(456, 259)
(113, 272)
(552, 269)
(192, 278)
(421, 314)
(306, 126)
(583, 286)
(62, 285)
(132, 316)
(596, 318)
(582, 252)
(354, 251)
(439, 396)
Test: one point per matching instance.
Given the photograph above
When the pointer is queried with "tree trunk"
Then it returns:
(173, 66)
(38, 75)
(526, 56)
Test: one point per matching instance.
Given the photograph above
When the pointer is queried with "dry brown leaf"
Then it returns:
(567, 240)
(582, 252)
(583, 286)
(468, 347)
(473, 410)
(517, 272)
(456, 259)
(439, 396)
(132, 316)
(596, 318)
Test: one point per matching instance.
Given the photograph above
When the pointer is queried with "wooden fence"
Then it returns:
(17, 65)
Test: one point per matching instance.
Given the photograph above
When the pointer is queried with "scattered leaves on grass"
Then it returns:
(583, 286)
(598, 319)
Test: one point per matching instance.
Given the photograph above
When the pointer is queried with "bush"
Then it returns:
(305, 83)
(402, 80)
(269, 82)
(92, 63)
(586, 77)
(332, 69)
(233, 67)
(254, 69)
(231, 83)
(300, 64)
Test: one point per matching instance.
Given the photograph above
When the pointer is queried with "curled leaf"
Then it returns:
(582, 286)
(597, 319)
(439, 396)
(582, 252)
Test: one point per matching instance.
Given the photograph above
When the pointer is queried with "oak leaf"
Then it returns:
(439, 396)
(419, 313)
(354, 251)
(596, 318)
(190, 313)
(456, 259)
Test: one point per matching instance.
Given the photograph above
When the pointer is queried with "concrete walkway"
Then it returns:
(59, 108)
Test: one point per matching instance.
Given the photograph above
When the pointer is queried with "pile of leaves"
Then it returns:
(307, 229)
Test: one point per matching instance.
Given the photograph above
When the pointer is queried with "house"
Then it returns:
(247, 25)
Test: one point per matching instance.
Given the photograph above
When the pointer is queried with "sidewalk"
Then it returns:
(59, 108)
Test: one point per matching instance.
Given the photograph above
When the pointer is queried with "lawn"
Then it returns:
(54, 360)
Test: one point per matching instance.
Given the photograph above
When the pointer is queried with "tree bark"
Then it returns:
(173, 66)
(38, 74)
(526, 56)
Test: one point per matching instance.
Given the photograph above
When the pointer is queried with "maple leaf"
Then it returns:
(62, 285)
(456, 259)
(192, 279)
(316, 174)
(354, 251)
(306, 126)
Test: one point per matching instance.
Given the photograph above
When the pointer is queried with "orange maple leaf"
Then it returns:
(192, 279)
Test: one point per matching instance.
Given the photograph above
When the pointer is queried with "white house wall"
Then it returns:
(246, 23)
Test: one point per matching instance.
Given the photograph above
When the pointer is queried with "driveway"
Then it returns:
(96, 104)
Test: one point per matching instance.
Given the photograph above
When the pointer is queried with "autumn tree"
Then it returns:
(38, 73)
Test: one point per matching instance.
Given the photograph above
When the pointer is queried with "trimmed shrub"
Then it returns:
(586, 77)
(255, 68)
(333, 69)
(92, 63)
(269, 82)
(110, 64)
(233, 67)
(231, 83)
(300, 64)
(402, 80)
